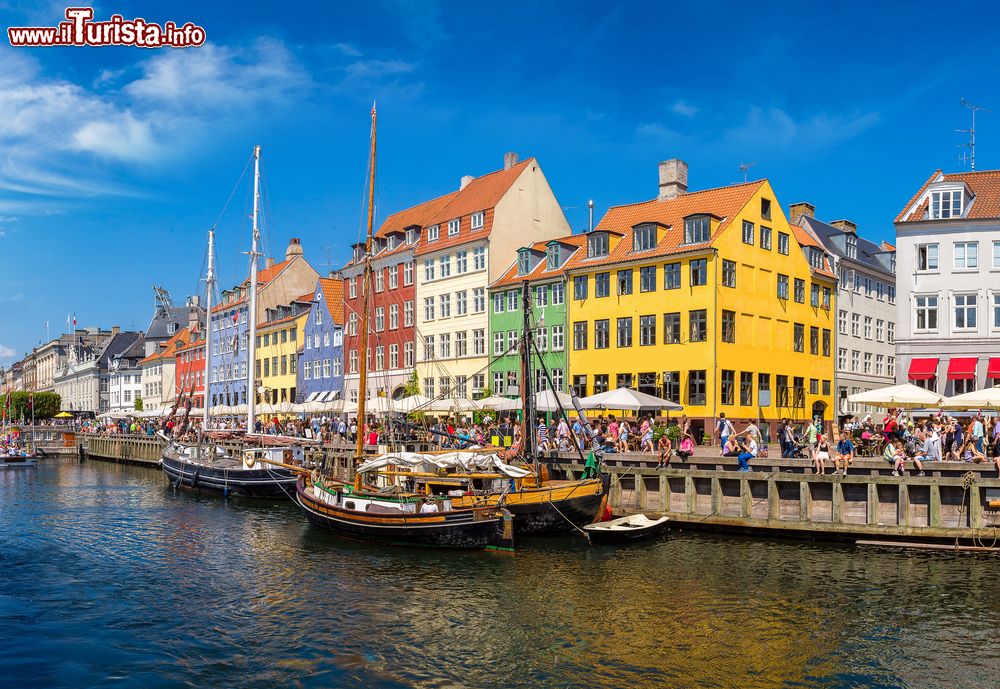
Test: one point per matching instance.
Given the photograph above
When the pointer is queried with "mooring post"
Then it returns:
(872, 504)
(934, 509)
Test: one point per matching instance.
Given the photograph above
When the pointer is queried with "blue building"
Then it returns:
(321, 361)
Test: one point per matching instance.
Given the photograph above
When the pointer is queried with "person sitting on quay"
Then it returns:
(821, 455)
(750, 449)
(665, 449)
(732, 447)
(686, 447)
(845, 454)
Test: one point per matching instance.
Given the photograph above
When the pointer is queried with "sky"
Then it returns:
(115, 161)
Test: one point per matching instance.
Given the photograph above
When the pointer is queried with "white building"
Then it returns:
(948, 310)
(159, 373)
(866, 306)
(78, 381)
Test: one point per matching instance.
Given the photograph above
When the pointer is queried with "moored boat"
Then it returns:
(210, 468)
(634, 527)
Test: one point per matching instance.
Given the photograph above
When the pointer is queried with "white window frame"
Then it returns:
(927, 309)
(965, 256)
(960, 301)
(433, 232)
(478, 220)
(454, 227)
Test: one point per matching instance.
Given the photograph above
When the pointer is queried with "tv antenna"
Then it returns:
(969, 154)
(746, 169)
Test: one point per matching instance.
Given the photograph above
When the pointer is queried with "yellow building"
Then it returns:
(279, 342)
(710, 299)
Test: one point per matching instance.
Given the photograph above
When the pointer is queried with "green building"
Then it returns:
(541, 265)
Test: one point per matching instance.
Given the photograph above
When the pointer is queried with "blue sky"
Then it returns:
(115, 161)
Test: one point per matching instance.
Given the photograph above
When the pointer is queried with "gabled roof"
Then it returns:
(169, 348)
(419, 215)
(333, 297)
(723, 202)
(805, 238)
(542, 271)
(117, 345)
(984, 186)
(834, 240)
(264, 276)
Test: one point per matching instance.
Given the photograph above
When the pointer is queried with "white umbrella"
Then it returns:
(977, 399)
(550, 400)
(453, 404)
(499, 403)
(905, 396)
(412, 403)
(627, 398)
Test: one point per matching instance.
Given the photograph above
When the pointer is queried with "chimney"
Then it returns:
(115, 329)
(673, 179)
(294, 248)
(268, 262)
(797, 210)
(846, 226)
(509, 160)
(464, 182)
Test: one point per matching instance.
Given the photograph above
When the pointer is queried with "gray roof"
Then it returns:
(834, 240)
(126, 345)
(178, 315)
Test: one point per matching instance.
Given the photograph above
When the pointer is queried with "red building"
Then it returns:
(190, 368)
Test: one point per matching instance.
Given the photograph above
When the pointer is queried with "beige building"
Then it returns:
(465, 246)
(159, 373)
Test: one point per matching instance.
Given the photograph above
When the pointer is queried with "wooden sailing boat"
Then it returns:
(256, 472)
(363, 511)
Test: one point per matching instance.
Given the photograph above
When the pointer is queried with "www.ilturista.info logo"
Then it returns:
(80, 29)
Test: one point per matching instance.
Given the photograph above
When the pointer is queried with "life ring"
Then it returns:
(249, 460)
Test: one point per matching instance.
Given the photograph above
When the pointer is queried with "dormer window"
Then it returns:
(391, 242)
(523, 262)
(946, 204)
(597, 245)
(171, 328)
(359, 252)
(852, 246)
(478, 219)
(433, 232)
(643, 237)
(552, 257)
(411, 236)
(453, 227)
(815, 258)
(697, 229)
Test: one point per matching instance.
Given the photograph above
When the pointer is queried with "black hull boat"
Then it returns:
(383, 519)
(635, 527)
(227, 476)
(18, 462)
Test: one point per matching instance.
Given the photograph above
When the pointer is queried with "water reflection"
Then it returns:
(121, 579)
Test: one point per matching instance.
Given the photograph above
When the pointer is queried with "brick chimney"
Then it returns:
(797, 210)
(846, 226)
(464, 182)
(268, 262)
(673, 179)
(509, 160)
(294, 248)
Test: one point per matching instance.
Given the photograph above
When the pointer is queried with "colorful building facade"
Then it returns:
(189, 368)
(707, 299)
(321, 361)
(279, 341)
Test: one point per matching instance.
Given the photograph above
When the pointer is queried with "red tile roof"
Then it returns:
(542, 270)
(333, 295)
(985, 188)
(722, 202)
(804, 238)
(264, 276)
(169, 348)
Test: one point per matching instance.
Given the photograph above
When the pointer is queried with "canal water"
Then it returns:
(110, 578)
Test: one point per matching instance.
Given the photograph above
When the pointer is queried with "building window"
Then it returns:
(728, 273)
(798, 337)
(558, 293)
(625, 332)
(726, 388)
(647, 279)
(827, 296)
(696, 388)
(698, 325)
(444, 345)
(408, 273)
(996, 254)
(800, 291)
(842, 322)
(868, 362)
(580, 385)
(879, 364)
(672, 328)
(541, 295)
(429, 388)
(428, 308)
(826, 342)
(498, 302)
(814, 295)
(672, 386)
(600, 383)
(580, 287)
(512, 336)
(841, 359)
(461, 346)
(580, 335)
(542, 339)
(597, 244)
(408, 354)
(602, 284)
(454, 226)
(748, 232)
(672, 276)
(558, 340)
(697, 229)
(856, 324)
(498, 346)
(966, 255)
(852, 246)
(602, 334)
(699, 271)
(783, 243)
(647, 330)
(523, 262)
(407, 314)
(512, 300)
(813, 340)
(782, 286)
(478, 342)
(746, 389)
(429, 348)
(868, 327)
(625, 281)
(965, 311)
(855, 360)
(433, 232)
(478, 220)
(552, 257)
(946, 204)
(890, 366)
(927, 313)
(643, 237)
(444, 266)
(428, 269)
(728, 326)
(927, 256)
(461, 262)
(479, 258)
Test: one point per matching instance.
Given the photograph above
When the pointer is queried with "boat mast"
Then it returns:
(209, 289)
(252, 307)
(365, 273)
(527, 398)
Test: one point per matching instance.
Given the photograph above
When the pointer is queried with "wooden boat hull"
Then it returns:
(607, 534)
(552, 509)
(466, 528)
(268, 483)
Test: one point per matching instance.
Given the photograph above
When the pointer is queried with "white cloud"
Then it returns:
(775, 127)
(347, 49)
(684, 109)
(125, 138)
(657, 132)
(7, 351)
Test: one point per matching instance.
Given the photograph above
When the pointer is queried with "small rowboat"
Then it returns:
(625, 529)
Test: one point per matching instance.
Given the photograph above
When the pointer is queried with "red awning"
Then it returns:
(922, 369)
(962, 368)
(993, 370)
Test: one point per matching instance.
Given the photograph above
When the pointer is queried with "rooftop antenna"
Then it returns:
(746, 169)
(969, 154)
(590, 209)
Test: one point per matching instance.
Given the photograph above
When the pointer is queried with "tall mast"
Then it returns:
(527, 396)
(252, 307)
(209, 289)
(365, 273)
